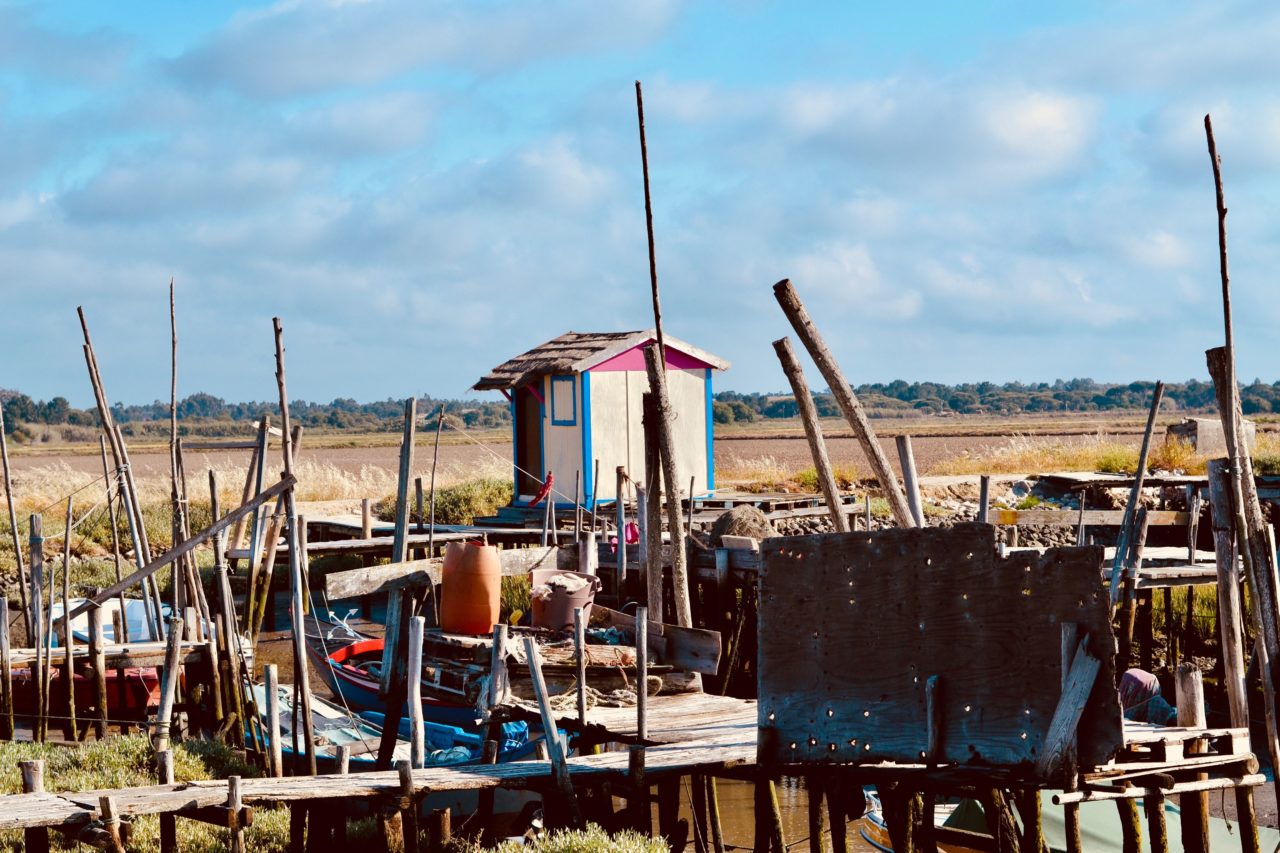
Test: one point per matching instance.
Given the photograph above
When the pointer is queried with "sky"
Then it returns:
(960, 192)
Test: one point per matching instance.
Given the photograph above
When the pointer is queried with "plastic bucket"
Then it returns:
(556, 610)
(470, 588)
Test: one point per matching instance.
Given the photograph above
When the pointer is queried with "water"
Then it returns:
(737, 815)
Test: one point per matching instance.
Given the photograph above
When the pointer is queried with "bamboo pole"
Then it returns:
(845, 399)
(813, 432)
(23, 579)
(671, 477)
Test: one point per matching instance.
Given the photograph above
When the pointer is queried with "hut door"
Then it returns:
(528, 441)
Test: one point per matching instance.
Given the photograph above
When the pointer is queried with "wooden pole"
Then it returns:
(910, 480)
(1133, 565)
(235, 803)
(392, 664)
(301, 672)
(580, 657)
(1230, 622)
(845, 399)
(817, 815)
(271, 687)
(98, 662)
(620, 520)
(6, 674)
(648, 221)
(642, 673)
(653, 565)
(1189, 693)
(671, 477)
(1251, 539)
(417, 734)
(168, 822)
(36, 543)
(115, 537)
(179, 579)
(1156, 826)
(36, 838)
(168, 684)
(555, 747)
(813, 432)
(23, 579)
(1135, 496)
(68, 640)
(984, 498)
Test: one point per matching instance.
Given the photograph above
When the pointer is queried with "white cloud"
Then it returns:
(295, 48)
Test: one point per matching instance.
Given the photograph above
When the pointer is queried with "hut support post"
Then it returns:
(671, 477)
(1189, 692)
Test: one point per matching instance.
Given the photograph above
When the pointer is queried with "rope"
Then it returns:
(63, 499)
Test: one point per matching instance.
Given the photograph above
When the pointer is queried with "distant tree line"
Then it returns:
(1011, 398)
(205, 414)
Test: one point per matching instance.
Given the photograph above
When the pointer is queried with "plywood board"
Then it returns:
(853, 625)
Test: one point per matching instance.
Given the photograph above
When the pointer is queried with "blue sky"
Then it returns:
(961, 192)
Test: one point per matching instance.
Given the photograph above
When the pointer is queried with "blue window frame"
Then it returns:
(564, 401)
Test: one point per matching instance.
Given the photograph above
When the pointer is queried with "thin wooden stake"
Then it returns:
(910, 480)
(271, 687)
(417, 734)
(580, 656)
(1135, 495)
(642, 673)
(6, 674)
(98, 664)
(23, 578)
(168, 684)
(68, 639)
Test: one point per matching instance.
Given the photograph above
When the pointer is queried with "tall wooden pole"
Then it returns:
(23, 580)
(845, 399)
(648, 221)
(175, 496)
(813, 432)
(675, 522)
(301, 672)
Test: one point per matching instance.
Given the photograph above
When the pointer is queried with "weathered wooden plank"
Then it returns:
(186, 547)
(380, 579)
(1060, 739)
(927, 602)
(1073, 518)
(690, 649)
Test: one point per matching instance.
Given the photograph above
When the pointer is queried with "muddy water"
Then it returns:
(737, 815)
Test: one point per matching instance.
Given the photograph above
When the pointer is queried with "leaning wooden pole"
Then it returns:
(1135, 494)
(787, 297)
(23, 580)
(301, 672)
(813, 432)
(675, 522)
(651, 513)
(175, 494)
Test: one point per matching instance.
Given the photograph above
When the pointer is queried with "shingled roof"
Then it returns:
(574, 352)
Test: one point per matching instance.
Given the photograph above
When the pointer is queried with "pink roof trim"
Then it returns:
(633, 359)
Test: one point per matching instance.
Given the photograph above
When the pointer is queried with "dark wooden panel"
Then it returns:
(853, 625)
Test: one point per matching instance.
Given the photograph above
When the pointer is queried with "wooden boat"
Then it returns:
(131, 693)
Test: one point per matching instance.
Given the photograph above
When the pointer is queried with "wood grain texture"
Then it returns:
(852, 626)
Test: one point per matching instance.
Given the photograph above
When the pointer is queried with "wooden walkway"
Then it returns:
(687, 732)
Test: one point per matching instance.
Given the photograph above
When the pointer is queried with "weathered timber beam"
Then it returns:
(396, 576)
(1090, 517)
(189, 545)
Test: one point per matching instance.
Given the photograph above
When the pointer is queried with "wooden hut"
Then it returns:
(576, 400)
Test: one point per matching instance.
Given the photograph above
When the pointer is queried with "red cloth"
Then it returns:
(544, 491)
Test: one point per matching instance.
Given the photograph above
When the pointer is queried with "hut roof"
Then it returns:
(574, 352)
